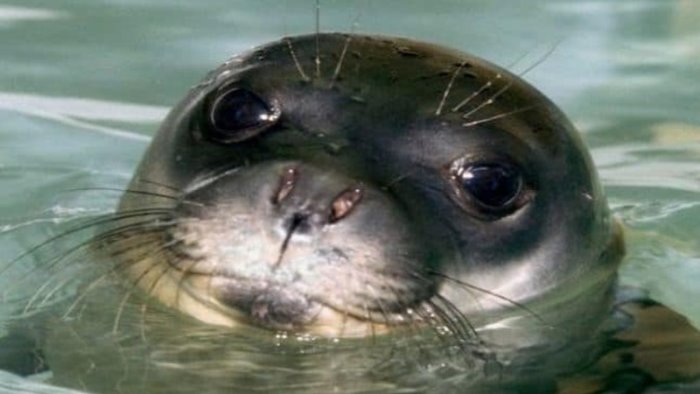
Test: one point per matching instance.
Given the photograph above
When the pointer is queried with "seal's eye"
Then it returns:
(494, 189)
(238, 114)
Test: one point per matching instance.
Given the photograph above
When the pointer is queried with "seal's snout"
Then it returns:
(278, 239)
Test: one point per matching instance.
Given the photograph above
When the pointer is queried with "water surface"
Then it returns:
(84, 84)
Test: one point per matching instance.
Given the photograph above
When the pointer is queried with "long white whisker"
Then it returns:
(483, 87)
(446, 93)
(499, 116)
(296, 60)
(343, 53)
(317, 60)
(489, 101)
(542, 58)
(336, 73)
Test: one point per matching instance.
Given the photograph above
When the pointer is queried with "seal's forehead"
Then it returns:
(366, 64)
(411, 77)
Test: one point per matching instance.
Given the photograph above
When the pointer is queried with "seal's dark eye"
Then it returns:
(492, 188)
(238, 114)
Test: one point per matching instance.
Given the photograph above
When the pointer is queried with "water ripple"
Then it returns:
(77, 111)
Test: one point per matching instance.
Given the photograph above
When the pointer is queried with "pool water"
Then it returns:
(85, 83)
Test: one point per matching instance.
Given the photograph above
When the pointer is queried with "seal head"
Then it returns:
(345, 185)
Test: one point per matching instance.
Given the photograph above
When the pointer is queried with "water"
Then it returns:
(84, 83)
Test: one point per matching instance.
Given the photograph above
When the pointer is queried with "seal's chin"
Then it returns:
(284, 308)
(226, 302)
(269, 305)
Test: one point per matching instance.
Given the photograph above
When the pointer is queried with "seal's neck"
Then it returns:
(557, 334)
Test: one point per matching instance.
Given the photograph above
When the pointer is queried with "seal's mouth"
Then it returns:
(269, 305)
(281, 306)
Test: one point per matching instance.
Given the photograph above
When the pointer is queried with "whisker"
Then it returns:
(107, 274)
(296, 61)
(461, 320)
(446, 93)
(84, 294)
(433, 322)
(120, 310)
(144, 307)
(414, 328)
(368, 311)
(35, 297)
(186, 272)
(505, 88)
(130, 191)
(51, 264)
(177, 198)
(477, 92)
(368, 316)
(346, 296)
(468, 340)
(382, 311)
(444, 318)
(489, 101)
(542, 58)
(344, 52)
(211, 177)
(135, 283)
(500, 116)
(163, 185)
(492, 294)
(90, 223)
(317, 60)
(338, 66)
(150, 254)
(49, 295)
(517, 61)
(146, 226)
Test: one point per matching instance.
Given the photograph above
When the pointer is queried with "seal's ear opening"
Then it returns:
(236, 115)
(615, 248)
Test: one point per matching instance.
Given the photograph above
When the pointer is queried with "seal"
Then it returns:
(349, 187)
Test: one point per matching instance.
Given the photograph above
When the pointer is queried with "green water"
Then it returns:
(84, 83)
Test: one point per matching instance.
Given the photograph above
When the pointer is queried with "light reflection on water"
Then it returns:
(84, 83)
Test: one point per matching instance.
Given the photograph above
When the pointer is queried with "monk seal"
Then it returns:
(349, 186)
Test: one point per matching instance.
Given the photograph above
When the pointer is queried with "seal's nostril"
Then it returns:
(344, 203)
(297, 219)
(287, 182)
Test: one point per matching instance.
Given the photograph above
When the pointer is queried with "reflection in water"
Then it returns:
(9, 14)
